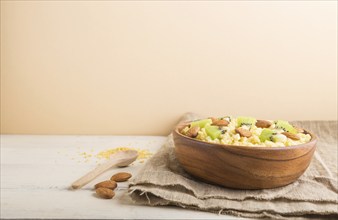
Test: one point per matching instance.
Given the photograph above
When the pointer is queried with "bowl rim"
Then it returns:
(259, 148)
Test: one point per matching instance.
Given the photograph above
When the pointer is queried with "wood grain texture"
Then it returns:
(36, 171)
(243, 167)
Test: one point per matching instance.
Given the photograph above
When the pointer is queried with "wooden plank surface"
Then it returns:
(36, 172)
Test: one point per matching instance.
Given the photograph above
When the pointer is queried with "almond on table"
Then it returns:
(105, 193)
(120, 177)
(109, 184)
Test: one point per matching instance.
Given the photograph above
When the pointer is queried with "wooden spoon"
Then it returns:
(120, 159)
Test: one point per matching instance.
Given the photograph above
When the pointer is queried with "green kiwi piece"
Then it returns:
(270, 135)
(213, 131)
(245, 121)
(266, 134)
(201, 123)
(279, 138)
(280, 124)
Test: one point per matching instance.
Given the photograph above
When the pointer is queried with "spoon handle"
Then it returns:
(94, 173)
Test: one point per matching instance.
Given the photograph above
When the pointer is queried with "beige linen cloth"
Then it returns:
(163, 182)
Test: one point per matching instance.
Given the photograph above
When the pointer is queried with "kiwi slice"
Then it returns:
(266, 134)
(270, 135)
(213, 131)
(279, 138)
(245, 121)
(280, 124)
(201, 123)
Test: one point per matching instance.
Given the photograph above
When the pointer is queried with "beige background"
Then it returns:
(113, 67)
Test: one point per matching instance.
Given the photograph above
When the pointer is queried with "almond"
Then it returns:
(291, 136)
(106, 184)
(220, 122)
(193, 131)
(299, 130)
(263, 124)
(213, 119)
(120, 177)
(183, 126)
(105, 193)
(243, 132)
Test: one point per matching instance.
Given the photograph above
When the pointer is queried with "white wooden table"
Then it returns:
(36, 172)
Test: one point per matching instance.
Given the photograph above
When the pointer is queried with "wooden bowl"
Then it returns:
(243, 167)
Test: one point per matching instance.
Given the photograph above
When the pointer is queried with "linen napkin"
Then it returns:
(163, 181)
